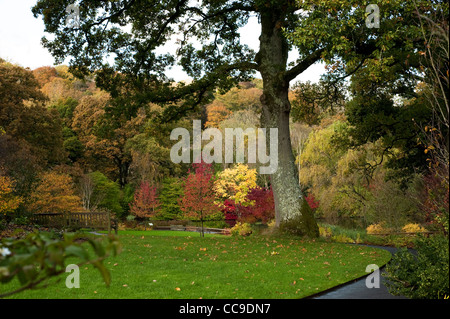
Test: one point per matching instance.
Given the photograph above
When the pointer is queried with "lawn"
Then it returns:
(172, 264)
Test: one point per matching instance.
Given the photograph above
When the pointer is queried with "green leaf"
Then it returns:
(103, 271)
(78, 252)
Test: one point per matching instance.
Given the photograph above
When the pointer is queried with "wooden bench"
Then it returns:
(92, 220)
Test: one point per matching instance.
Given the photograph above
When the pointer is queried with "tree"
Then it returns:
(198, 200)
(262, 208)
(171, 191)
(150, 159)
(24, 116)
(216, 112)
(145, 202)
(86, 189)
(313, 101)
(19, 163)
(234, 184)
(106, 193)
(8, 200)
(54, 194)
(104, 137)
(44, 74)
(335, 29)
(348, 182)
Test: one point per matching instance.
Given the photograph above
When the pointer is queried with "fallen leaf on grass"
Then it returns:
(177, 289)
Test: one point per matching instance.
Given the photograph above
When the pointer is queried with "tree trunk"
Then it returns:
(203, 232)
(123, 166)
(272, 61)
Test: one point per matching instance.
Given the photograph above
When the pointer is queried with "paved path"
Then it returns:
(357, 289)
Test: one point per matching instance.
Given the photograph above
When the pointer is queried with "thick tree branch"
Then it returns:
(303, 65)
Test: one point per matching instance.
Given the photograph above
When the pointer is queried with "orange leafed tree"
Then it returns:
(44, 74)
(217, 112)
(8, 201)
(55, 194)
(198, 200)
(145, 202)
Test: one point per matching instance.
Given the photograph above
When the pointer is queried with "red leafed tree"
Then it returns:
(198, 199)
(263, 208)
(145, 202)
(229, 210)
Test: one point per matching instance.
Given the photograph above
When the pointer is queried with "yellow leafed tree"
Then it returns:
(235, 183)
(8, 201)
(55, 194)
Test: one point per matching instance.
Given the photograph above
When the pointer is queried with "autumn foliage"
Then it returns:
(312, 202)
(145, 202)
(198, 201)
(55, 194)
(263, 207)
(8, 201)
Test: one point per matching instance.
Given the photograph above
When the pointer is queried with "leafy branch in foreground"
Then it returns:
(40, 256)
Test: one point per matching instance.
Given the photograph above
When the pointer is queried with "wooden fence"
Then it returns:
(93, 220)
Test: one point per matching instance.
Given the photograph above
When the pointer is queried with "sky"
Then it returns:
(21, 33)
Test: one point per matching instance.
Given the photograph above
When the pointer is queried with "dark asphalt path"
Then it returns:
(357, 289)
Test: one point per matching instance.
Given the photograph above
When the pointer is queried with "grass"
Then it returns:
(172, 265)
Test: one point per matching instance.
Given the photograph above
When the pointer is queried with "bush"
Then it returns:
(341, 238)
(325, 231)
(241, 229)
(413, 228)
(424, 275)
(378, 229)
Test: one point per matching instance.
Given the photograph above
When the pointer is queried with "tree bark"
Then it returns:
(272, 61)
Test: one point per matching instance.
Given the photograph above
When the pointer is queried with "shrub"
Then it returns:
(312, 202)
(325, 231)
(272, 223)
(241, 229)
(341, 238)
(413, 228)
(377, 229)
(422, 275)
